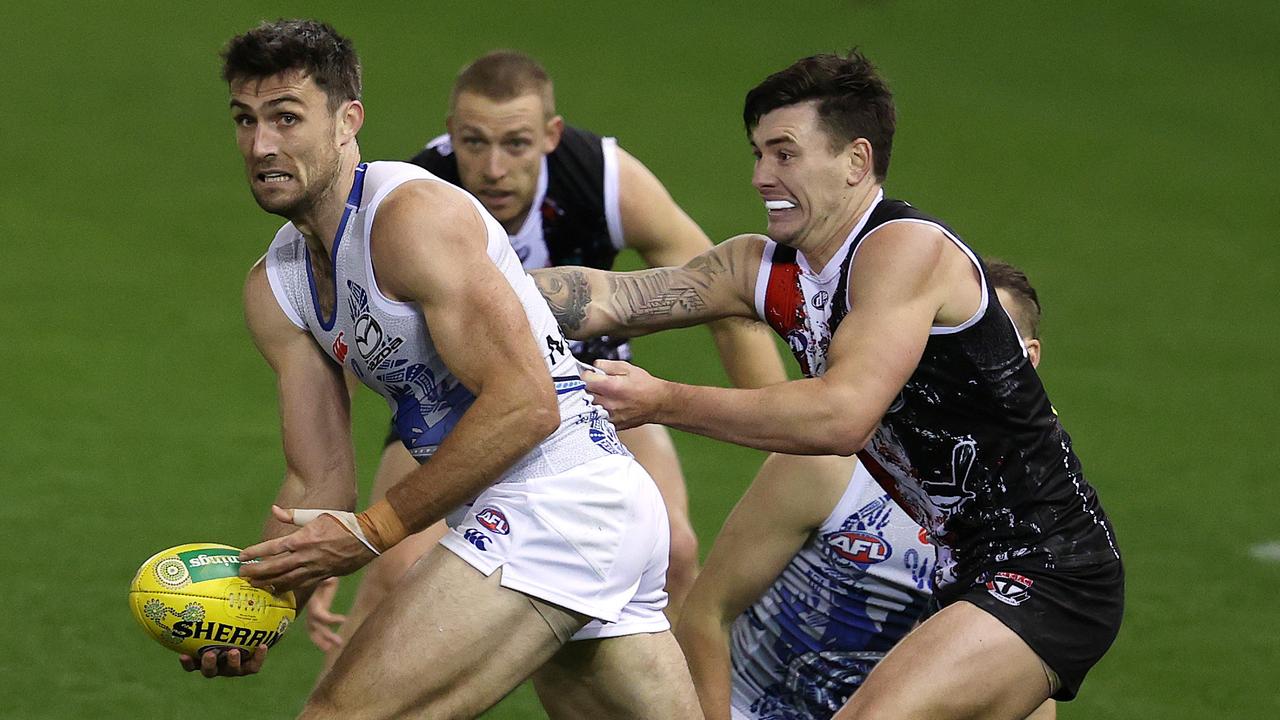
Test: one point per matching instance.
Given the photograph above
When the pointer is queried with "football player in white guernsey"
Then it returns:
(565, 196)
(557, 541)
(911, 363)
(813, 577)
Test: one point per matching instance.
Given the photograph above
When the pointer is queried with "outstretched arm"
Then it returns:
(789, 498)
(315, 416)
(714, 285)
(907, 277)
(665, 236)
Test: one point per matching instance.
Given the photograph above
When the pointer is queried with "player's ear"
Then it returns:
(1033, 351)
(351, 120)
(554, 131)
(858, 154)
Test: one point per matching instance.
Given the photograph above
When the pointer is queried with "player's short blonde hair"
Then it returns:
(504, 75)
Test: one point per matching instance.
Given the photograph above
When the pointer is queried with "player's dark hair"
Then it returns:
(504, 75)
(311, 46)
(1007, 276)
(853, 101)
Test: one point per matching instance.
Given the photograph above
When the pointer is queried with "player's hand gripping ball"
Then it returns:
(190, 598)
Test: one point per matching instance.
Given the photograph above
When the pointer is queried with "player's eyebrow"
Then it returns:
(275, 101)
(775, 140)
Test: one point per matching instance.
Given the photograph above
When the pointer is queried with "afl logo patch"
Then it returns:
(1010, 588)
(493, 519)
(859, 547)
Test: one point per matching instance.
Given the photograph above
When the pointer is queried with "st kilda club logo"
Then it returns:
(1010, 588)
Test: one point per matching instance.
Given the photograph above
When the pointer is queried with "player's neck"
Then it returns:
(821, 245)
(515, 224)
(319, 223)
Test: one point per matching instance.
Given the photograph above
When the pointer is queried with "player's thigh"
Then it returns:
(960, 663)
(381, 575)
(633, 677)
(451, 645)
(393, 465)
(384, 573)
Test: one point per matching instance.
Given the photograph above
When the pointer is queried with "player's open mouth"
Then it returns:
(274, 177)
(778, 205)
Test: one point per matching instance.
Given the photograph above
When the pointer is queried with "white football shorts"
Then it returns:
(593, 539)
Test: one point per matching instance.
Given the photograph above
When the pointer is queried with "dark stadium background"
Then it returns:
(1123, 153)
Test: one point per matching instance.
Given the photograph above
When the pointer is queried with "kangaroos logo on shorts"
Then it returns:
(492, 518)
(1010, 588)
(859, 547)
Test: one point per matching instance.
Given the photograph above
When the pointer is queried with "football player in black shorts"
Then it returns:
(565, 196)
(911, 363)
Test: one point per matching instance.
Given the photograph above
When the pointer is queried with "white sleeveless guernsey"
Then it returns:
(856, 587)
(387, 345)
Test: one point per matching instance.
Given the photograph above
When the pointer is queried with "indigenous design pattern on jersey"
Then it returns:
(575, 218)
(428, 402)
(971, 447)
(857, 586)
(386, 343)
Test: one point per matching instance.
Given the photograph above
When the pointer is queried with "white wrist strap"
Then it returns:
(302, 516)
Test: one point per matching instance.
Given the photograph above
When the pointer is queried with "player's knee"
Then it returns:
(684, 552)
(889, 698)
(869, 703)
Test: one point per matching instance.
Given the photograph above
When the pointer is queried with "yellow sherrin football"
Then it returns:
(190, 598)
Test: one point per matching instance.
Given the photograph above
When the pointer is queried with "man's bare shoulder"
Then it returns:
(269, 326)
(257, 286)
(905, 240)
(443, 204)
(740, 256)
(753, 241)
(418, 225)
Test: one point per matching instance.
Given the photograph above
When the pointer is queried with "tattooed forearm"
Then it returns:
(650, 295)
(568, 294)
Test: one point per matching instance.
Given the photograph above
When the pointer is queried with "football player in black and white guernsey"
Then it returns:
(911, 363)
(565, 196)
(816, 574)
(556, 551)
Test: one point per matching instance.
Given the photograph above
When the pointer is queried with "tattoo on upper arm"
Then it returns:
(568, 294)
(653, 294)
(707, 266)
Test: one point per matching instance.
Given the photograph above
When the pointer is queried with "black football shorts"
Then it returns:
(1069, 617)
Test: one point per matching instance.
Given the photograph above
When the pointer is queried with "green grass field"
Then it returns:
(1123, 153)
